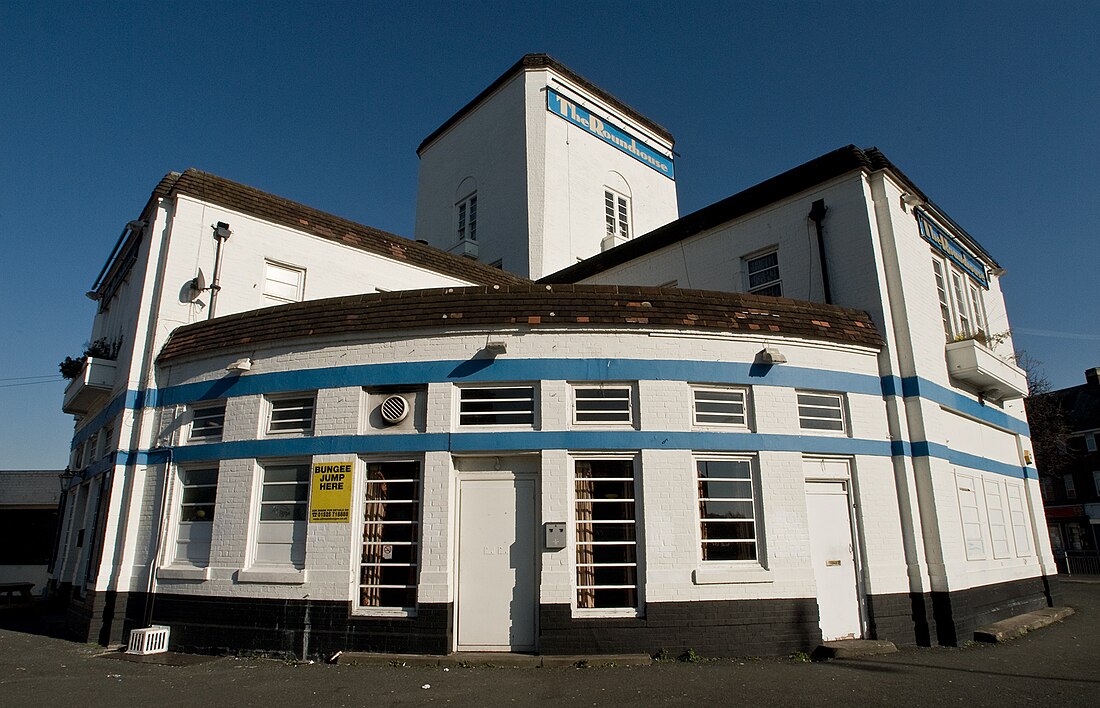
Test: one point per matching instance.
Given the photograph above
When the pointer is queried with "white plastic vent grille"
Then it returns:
(394, 410)
(151, 640)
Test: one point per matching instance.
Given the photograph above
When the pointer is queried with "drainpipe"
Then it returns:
(817, 215)
(221, 235)
(154, 559)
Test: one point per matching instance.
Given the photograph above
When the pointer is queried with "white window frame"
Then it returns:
(1070, 485)
(187, 528)
(700, 393)
(200, 413)
(970, 516)
(638, 541)
(466, 218)
(276, 403)
(759, 288)
(1018, 518)
(997, 513)
(582, 397)
(464, 416)
(962, 304)
(841, 407)
(416, 521)
(1096, 481)
(753, 499)
(616, 210)
(1090, 442)
(271, 268)
(269, 532)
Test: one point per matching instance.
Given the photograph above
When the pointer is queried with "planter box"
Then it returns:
(974, 364)
(91, 388)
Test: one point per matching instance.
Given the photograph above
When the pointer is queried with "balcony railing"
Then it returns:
(91, 387)
(974, 364)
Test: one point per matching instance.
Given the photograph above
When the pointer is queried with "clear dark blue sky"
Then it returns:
(991, 107)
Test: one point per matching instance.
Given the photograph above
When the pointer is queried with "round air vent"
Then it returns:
(394, 410)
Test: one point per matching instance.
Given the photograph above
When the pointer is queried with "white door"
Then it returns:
(832, 552)
(496, 565)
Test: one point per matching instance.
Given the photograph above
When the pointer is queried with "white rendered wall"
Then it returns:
(539, 180)
(488, 148)
(672, 569)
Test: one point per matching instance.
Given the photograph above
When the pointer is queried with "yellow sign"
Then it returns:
(330, 496)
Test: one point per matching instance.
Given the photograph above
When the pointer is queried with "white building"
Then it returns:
(626, 456)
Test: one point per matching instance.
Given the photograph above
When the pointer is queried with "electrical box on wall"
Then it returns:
(555, 536)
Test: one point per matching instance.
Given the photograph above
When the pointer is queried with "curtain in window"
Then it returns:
(373, 513)
(586, 574)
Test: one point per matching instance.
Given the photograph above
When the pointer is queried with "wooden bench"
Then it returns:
(22, 589)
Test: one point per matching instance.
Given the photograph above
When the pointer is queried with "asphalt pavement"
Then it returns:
(1055, 666)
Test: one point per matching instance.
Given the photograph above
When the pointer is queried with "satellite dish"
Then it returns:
(198, 284)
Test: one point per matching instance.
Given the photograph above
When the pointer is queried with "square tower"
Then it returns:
(543, 169)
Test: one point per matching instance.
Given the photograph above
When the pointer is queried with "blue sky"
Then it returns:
(991, 107)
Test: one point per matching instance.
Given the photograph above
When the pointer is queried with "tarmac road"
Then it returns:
(1056, 666)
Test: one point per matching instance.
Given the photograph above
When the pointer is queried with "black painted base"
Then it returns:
(318, 629)
(949, 619)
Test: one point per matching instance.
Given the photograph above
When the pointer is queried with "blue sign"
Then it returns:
(946, 244)
(609, 133)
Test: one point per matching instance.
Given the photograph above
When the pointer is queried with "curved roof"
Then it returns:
(527, 305)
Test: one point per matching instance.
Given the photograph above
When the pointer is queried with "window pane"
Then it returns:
(727, 509)
(606, 551)
(497, 406)
(391, 532)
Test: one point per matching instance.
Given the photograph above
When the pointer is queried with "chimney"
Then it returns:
(1092, 377)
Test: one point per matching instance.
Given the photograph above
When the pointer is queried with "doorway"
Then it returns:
(833, 551)
(495, 598)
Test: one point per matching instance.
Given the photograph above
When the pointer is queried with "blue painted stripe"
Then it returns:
(964, 459)
(923, 388)
(497, 442)
(520, 370)
(529, 440)
(128, 400)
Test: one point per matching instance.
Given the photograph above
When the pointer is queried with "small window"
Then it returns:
(281, 527)
(1090, 443)
(466, 219)
(727, 509)
(606, 535)
(602, 404)
(78, 457)
(207, 421)
(998, 523)
(941, 293)
(719, 406)
(1071, 488)
(821, 412)
(198, 497)
(616, 214)
(391, 536)
(1096, 481)
(291, 414)
(971, 518)
(962, 310)
(91, 448)
(763, 274)
(283, 283)
(503, 405)
(1017, 512)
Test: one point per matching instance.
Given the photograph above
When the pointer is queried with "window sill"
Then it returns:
(272, 576)
(610, 613)
(732, 576)
(183, 572)
(388, 612)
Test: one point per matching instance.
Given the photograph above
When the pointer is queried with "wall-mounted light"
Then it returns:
(496, 347)
(771, 355)
(240, 366)
(911, 200)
